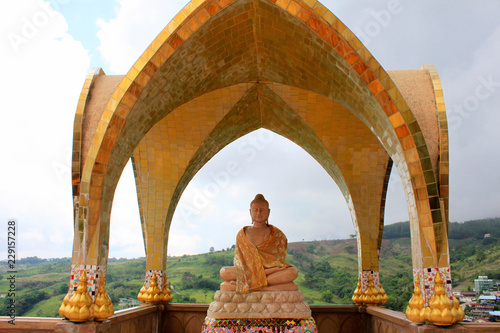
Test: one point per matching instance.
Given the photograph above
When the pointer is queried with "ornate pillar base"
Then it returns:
(83, 304)
(66, 326)
(435, 304)
(369, 291)
(427, 277)
(155, 289)
(94, 274)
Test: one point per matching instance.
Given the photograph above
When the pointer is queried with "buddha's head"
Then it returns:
(259, 209)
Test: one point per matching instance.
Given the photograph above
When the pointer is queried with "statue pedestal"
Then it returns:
(266, 311)
(259, 325)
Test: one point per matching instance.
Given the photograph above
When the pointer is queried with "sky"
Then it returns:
(48, 47)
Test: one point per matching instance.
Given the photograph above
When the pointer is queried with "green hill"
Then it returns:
(328, 270)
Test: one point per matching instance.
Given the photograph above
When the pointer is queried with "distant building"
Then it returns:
(487, 299)
(468, 319)
(128, 302)
(482, 283)
(487, 235)
(495, 315)
(468, 296)
(481, 309)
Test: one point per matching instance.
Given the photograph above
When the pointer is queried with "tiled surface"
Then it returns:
(159, 277)
(359, 156)
(187, 60)
(77, 129)
(161, 159)
(427, 284)
(259, 325)
(443, 167)
(364, 279)
(360, 168)
(94, 275)
(76, 161)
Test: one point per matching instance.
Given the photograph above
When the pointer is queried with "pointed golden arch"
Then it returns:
(248, 107)
(319, 35)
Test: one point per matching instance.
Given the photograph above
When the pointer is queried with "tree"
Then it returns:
(488, 241)
(62, 288)
(350, 249)
(29, 300)
(212, 249)
(323, 267)
(327, 296)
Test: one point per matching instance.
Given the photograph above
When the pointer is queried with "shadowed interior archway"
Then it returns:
(222, 69)
(261, 106)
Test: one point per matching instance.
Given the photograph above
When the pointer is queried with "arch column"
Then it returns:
(432, 274)
(87, 272)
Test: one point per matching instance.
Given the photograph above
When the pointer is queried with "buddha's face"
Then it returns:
(259, 212)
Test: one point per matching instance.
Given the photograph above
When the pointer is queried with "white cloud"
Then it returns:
(128, 34)
(396, 208)
(180, 243)
(126, 238)
(236, 218)
(472, 100)
(298, 189)
(43, 76)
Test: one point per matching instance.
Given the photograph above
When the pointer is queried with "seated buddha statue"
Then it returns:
(259, 258)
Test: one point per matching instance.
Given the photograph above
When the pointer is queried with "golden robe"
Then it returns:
(250, 260)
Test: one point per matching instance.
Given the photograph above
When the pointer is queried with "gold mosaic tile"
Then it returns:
(182, 142)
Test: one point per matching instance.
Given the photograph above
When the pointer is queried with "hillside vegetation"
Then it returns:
(328, 270)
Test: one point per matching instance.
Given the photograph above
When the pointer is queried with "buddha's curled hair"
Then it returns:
(259, 198)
